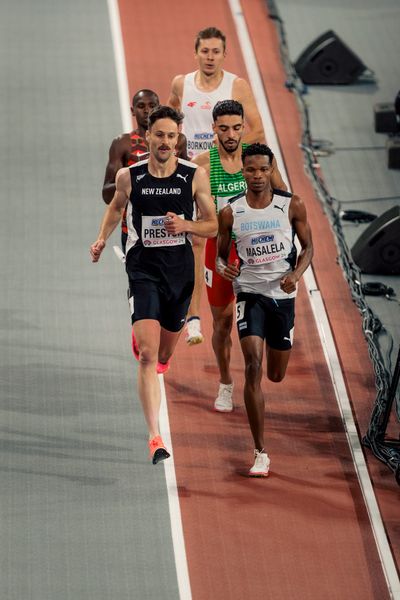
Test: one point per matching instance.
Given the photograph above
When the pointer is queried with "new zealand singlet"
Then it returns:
(264, 241)
(197, 107)
(150, 249)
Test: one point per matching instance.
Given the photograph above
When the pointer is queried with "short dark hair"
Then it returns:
(136, 98)
(227, 107)
(165, 112)
(256, 150)
(207, 34)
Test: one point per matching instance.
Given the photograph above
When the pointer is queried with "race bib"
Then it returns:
(265, 248)
(240, 306)
(208, 276)
(154, 234)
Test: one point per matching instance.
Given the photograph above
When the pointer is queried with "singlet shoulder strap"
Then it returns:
(229, 77)
(282, 193)
(139, 164)
(189, 78)
(215, 158)
(234, 198)
(187, 163)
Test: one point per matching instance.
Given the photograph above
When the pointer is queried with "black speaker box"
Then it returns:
(328, 60)
(377, 250)
(393, 152)
(385, 119)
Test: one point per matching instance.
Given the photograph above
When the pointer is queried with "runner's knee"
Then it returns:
(276, 375)
(253, 368)
(147, 355)
(222, 325)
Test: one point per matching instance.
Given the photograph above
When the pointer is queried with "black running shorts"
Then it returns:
(267, 318)
(150, 299)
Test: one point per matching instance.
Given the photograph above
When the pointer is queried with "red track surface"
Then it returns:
(304, 532)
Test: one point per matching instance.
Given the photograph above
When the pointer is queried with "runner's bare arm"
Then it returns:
(203, 160)
(208, 225)
(176, 93)
(254, 131)
(276, 178)
(113, 212)
(181, 147)
(115, 156)
(225, 222)
(298, 217)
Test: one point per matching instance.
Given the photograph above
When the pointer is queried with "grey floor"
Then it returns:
(356, 173)
(76, 521)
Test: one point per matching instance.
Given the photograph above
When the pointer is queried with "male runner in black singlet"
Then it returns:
(128, 148)
(159, 194)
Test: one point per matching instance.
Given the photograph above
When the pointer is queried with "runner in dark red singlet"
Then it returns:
(129, 148)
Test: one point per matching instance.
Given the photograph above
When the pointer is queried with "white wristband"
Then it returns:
(220, 264)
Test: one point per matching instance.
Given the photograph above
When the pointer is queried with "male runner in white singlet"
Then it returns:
(263, 222)
(196, 94)
(159, 193)
(223, 163)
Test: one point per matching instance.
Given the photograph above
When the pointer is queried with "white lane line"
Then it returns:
(178, 541)
(324, 329)
(120, 65)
